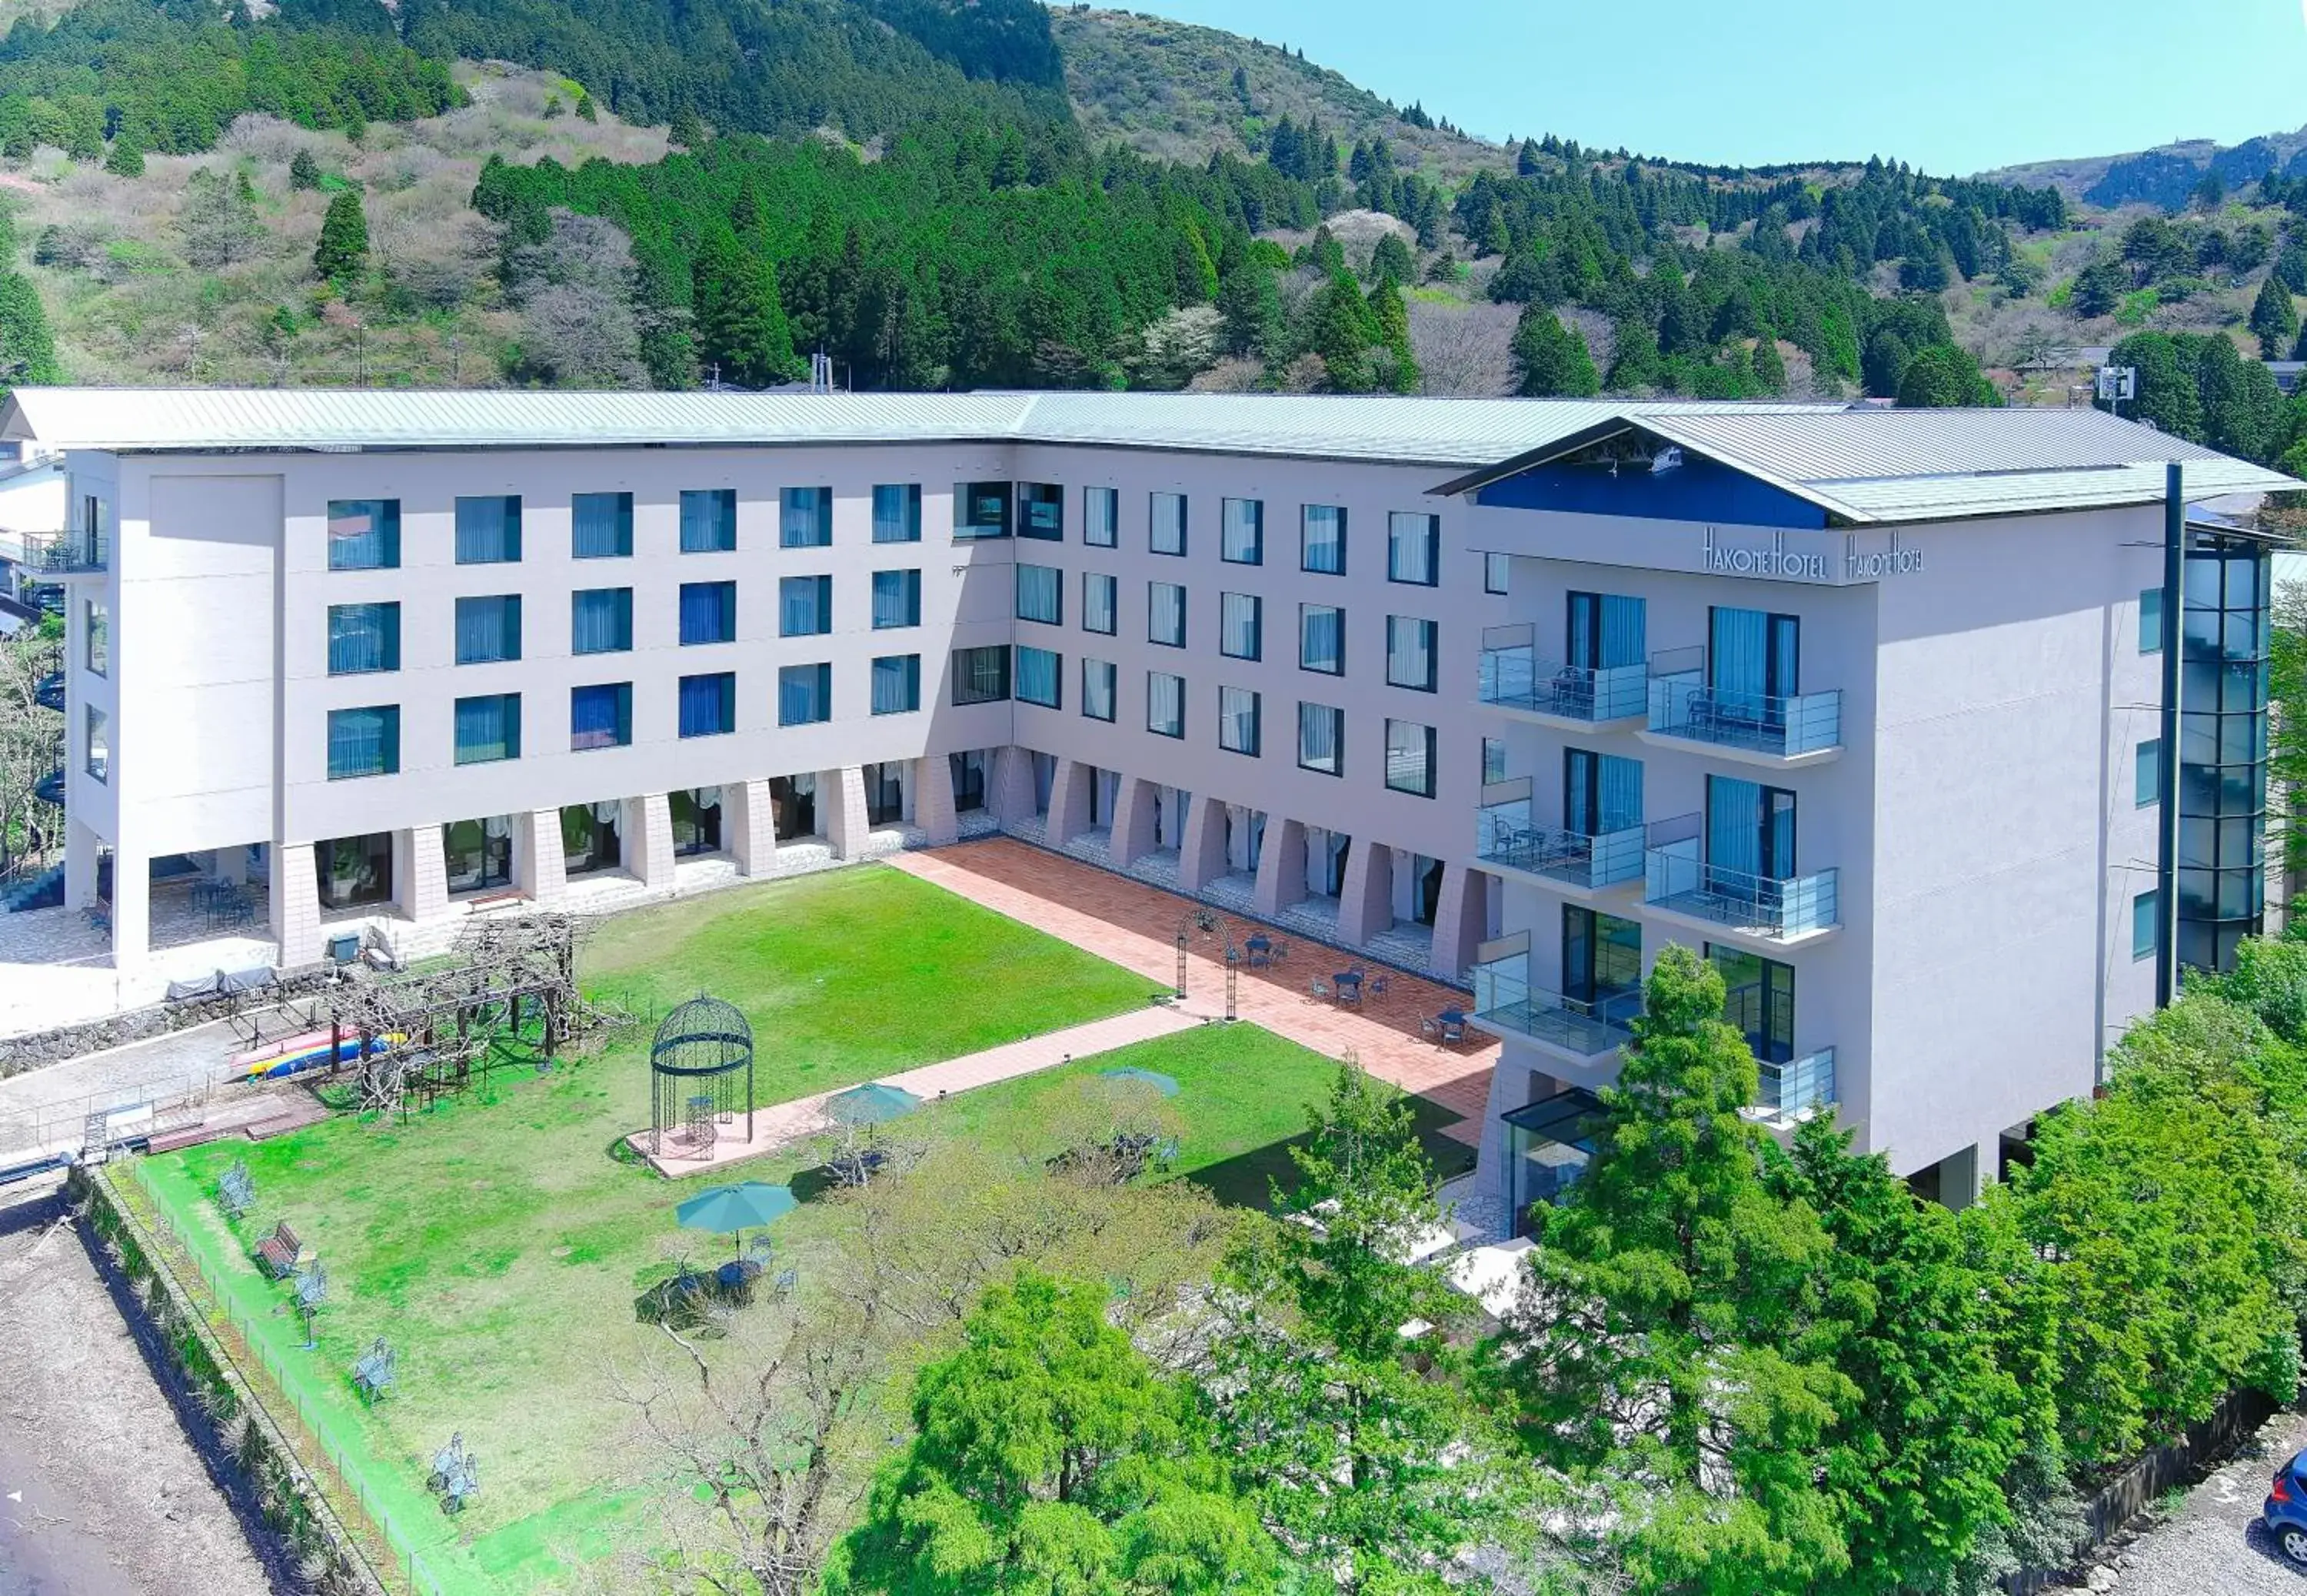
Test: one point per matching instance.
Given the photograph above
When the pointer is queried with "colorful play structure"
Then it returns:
(307, 1050)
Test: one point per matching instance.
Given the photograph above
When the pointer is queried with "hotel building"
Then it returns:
(1863, 703)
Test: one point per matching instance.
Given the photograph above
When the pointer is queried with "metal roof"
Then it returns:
(1862, 465)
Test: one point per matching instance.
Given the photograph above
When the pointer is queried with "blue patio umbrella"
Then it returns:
(734, 1210)
(872, 1104)
(1164, 1084)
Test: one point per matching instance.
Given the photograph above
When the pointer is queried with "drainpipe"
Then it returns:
(2167, 817)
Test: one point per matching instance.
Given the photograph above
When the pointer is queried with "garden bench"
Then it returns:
(279, 1251)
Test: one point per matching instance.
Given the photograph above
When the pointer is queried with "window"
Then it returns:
(1241, 626)
(2150, 621)
(2145, 925)
(363, 534)
(981, 675)
(1101, 517)
(898, 513)
(1495, 569)
(1038, 677)
(361, 638)
(478, 854)
(805, 518)
(968, 766)
(804, 606)
(709, 703)
(1098, 606)
(600, 526)
(488, 728)
(897, 684)
(708, 613)
(1167, 531)
(1322, 539)
(1410, 757)
(1165, 703)
(1041, 511)
(805, 694)
(1040, 595)
(1097, 689)
(1321, 739)
(897, 600)
(488, 629)
(1241, 532)
(363, 742)
(2147, 775)
(1494, 760)
(1322, 639)
(601, 716)
(708, 520)
(488, 530)
(981, 511)
(1410, 653)
(1758, 999)
(1413, 547)
(99, 743)
(601, 620)
(355, 869)
(1165, 614)
(1237, 721)
(96, 635)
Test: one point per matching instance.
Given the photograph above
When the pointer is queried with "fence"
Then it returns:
(174, 1101)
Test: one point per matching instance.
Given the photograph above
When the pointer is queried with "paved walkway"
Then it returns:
(786, 1122)
(1135, 926)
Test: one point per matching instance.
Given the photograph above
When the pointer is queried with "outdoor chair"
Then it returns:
(1377, 986)
(786, 1281)
(279, 1251)
(1318, 989)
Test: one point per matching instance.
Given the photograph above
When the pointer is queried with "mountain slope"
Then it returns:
(2166, 177)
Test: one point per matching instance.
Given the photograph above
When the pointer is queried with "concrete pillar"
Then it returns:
(1366, 897)
(1280, 867)
(540, 866)
(232, 864)
(1459, 914)
(841, 810)
(748, 825)
(1009, 786)
(1134, 820)
(648, 839)
(1201, 854)
(421, 873)
(296, 903)
(933, 810)
(1069, 802)
(82, 846)
(1959, 1178)
(132, 909)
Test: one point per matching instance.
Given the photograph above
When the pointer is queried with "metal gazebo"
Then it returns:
(700, 1073)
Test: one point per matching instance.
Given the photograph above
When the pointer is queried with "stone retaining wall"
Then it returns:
(31, 1051)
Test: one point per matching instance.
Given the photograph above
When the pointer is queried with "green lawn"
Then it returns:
(500, 1242)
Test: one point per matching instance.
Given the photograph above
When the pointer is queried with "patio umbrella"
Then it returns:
(872, 1104)
(1164, 1084)
(734, 1210)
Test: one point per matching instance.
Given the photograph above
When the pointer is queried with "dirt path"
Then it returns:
(101, 1492)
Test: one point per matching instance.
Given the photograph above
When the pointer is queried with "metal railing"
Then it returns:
(66, 553)
(1681, 704)
(1799, 1089)
(1676, 877)
(1509, 838)
(1505, 1000)
(1513, 677)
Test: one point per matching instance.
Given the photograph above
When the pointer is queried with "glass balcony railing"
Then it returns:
(1777, 908)
(1510, 839)
(1683, 705)
(1505, 1000)
(1796, 1091)
(67, 553)
(1514, 677)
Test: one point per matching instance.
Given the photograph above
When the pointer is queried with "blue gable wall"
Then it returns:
(1699, 489)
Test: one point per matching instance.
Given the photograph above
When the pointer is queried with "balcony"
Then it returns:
(1756, 728)
(1514, 677)
(66, 553)
(1505, 1003)
(1509, 840)
(1773, 910)
(1796, 1091)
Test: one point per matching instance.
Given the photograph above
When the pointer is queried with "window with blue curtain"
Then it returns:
(1750, 828)
(488, 530)
(805, 694)
(1605, 631)
(2147, 775)
(601, 716)
(1166, 530)
(1413, 547)
(1242, 531)
(1409, 758)
(1322, 638)
(1041, 511)
(981, 675)
(600, 621)
(1040, 595)
(1097, 689)
(1239, 712)
(897, 684)
(488, 629)
(1410, 653)
(709, 703)
(1165, 703)
(981, 511)
(1619, 793)
(362, 637)
(708, 613)
(1038, 677)
(600, 526)
(1494, 762)
(363, 534)
(1101, 517)
(708, 520)
(804, 606)
(2146, 925)
(1322, 539)
(1165, 614)
(488, 728)
(805, 518)
(1751, 655)
(363, 742)
(898, 513)
(1241, 626)
(1098, 605)
(897, 600)
(1321, 739)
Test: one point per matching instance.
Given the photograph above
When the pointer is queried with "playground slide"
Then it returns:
(292, 1056)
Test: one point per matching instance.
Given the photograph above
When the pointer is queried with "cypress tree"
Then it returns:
(740, 318)
(304, 171)
(1251, 305)
(1551, 360)
(127, 156)
(2274, 318)
(343, 247)
(1392, 320)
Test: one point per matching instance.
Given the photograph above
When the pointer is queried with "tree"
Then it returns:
(1551, 360)
(1342, 332)
(1944, 376)
(687, 132)
(741, 321)
(304, 171)
(585, 109)
(1397, 370)
(2274, 318)
(1770, 366)
(1391, 258)
(343, 247)
(217, 220)
(1251, 306)
(127, 157)
(2098, 288)
(2168, 393)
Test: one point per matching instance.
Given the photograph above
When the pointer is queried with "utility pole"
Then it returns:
(2166, 772)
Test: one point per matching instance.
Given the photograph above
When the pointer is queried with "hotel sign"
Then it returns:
(1774, 560)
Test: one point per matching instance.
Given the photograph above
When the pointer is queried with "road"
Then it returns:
(2213, 1544)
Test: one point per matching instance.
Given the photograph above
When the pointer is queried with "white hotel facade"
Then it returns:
(1863, 703)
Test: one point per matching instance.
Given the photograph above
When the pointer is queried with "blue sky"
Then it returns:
(1949, 85)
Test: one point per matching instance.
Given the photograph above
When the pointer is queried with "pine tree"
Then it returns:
(552, 107)
(740, 320)
(1635, 364)
(687, 132)
(1251, 305)
(1551, 360)
(1399, 371)
(127, 156)
(1343, 330)
(585, 110)
(2274, 318)
(1770, 366)
(343, 247)
(1391, 258)
(1943, 376)
(304, 171)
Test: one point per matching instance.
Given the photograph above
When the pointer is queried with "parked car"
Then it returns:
(2286, 1511)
